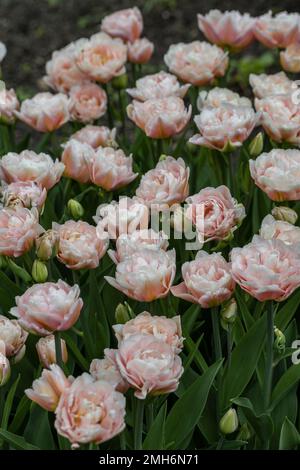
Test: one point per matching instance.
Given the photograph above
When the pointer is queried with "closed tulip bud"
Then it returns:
(47, 245)
(121, 82)
(75, 208)
(244, 433)
(279, 340)
(46, 351)
(162, 157)
(121, 314)
(228, 313)
(229, 423)
(285, 213)
(256, 145)
(39, 271)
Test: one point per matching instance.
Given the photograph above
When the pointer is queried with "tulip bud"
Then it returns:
(228, 313)
(229, 423)
(47, 245)
(162, 157)
(4, 365)
(75, 208)
(285, 213)
(39, 271)
(244, 433)
(229, 147)
(123, 313)
(120, 82)
(279, 340)
(256, 145)
(46, 351)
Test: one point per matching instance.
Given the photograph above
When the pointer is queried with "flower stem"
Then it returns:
(138, 424)
(58, 353)
(229, 345)
(216, 333)
(269, 356)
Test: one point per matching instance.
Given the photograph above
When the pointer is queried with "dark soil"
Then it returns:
(32, 29)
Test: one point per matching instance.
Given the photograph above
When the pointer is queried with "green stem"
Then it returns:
(138, 423)
(109, 109)
(149, 415)
(58, 353)
(122, 441)
(269, 356)
(216, 332)
(229, 345)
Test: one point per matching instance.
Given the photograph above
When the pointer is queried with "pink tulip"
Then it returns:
(124, 216)
(226, 125)
(46, 390)
(31, 166)
(280, 118)
(96, 136)
(87, 102)
(266, 269)
(149, 365)
(264, 85)
(45, 112)
(76, 158)
(290, 58)
(47, 245)
(125, 24)
(166, 184)
(128, 243)
(79, 246)
(62, 71)
(197, 62)
(102, 58)
(214, 213)
(207, 280)
(111, 169)
(230, 28)
(145, 276)
(166, 329)
(4, 362)
(107, 370)
(156, 86)
(25, 193)
(90, 411)
(280, 230)
(9, 103)
(160, 118)
(19, 227)
(277, 173)
(45, 308)
(140, 51)
(46, 351)
(218, 96)
(13, 336)
(279, 30)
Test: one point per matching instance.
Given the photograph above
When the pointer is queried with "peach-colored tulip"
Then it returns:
(156, 86)
(45, 112)
(77, 157)
(96, 136)
(4, 365)
(45, 308)
(87, 102)
(277, 173)
(166, 329)
(9, 103)
(107, 370)
(206, 280)
(230, 28)
(102, 57)
(214, 213)
(266, 269)
(46, 390)
(149, 365)
(79, 246)
(62, 71)
(26, 193)
(280, 30)
(19, 227)
(31, 166)
(140, 51)
(124, 216)
(227, 125)
(279, 230)
(128, 243)
(13, 336)
(167, 183)
(46, 351)
(125, 24)
(280, 118)
(196, 62)
(264, 85)
(111, 169)
(47, 245)
(3, 51)
(290, 58)
(145, 276)
(160, 118)
(217, 96)
(90, 411)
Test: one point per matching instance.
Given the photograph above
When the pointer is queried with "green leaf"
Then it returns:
(289, 436)
(8, 404)
(188, 319)
(38, 420)
(185, 414)
(155, 439)
(243, 309)
(17, 442)
(243, 362)
(261, 423)
(21, 412)
(284, 384)
(287, 312)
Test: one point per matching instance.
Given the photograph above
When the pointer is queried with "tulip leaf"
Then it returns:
(38, 419)
(8, 404)
(287, 312)
(287, 381)
(17, 442)
(261, 423)
(155, 439)
(289, 436)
